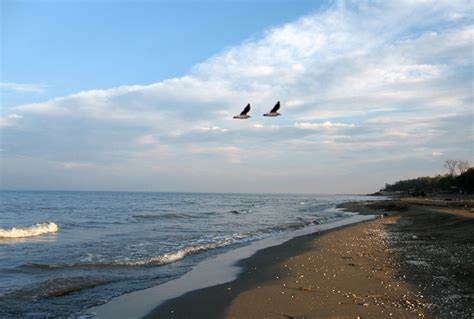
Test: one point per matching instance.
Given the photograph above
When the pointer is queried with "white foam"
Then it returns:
(166, 258)
(30, 231)
(176, 255)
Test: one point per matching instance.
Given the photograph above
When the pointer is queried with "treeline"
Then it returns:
(447, 183)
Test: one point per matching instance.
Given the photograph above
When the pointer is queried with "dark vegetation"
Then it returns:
(463, 183)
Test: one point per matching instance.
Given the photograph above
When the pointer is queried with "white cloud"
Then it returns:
(147, 139)
(325, 125)
(214, 128)
(352, 67)
(76, 165)
(14, 116)
(366, 78)
(11, 120)
(22, 87)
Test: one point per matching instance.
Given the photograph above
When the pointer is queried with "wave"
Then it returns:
(240, 212)
(170, 257)
(220, 242)
(165, 216)
(55, 287)
(176, 255)
(180, 253)
(30, 231)
(159, 260)
(300, 223)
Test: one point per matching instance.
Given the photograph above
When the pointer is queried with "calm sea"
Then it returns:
(83, 248)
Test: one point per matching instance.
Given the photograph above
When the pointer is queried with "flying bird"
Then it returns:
(243, 115)
(274, 112)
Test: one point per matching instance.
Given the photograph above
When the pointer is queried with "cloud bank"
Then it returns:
(371, 92)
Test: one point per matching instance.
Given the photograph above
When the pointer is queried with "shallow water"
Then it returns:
(110, 243)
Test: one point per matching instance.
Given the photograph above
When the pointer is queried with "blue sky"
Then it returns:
(70, 46)
(121, 95)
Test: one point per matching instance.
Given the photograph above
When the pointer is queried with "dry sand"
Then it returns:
(415, 262)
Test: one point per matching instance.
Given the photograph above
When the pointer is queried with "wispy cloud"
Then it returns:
(325, 125)
(22, 87)
(147, 139)
(76, 165)
(10, 120)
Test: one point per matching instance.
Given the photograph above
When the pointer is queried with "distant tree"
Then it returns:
(462, 166)
(450, 165)
(466, 181)
(447, 183)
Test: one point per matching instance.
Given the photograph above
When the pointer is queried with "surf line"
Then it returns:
(209, 272)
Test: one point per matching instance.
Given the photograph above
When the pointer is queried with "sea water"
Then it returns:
(63, 252)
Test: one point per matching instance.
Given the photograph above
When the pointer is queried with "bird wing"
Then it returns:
(276, 107)
(246, 110)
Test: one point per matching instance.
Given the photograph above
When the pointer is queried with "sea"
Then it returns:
(63, 252)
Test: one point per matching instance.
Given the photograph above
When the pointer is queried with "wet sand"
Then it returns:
(414, 262)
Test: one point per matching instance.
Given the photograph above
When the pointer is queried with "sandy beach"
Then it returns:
(415, 261)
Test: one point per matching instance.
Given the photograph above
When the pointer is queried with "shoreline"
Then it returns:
(220, 269)
(413, 263)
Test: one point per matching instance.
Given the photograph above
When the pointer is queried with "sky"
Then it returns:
(139, 96)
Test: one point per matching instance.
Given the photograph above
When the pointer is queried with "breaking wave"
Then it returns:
(30, 231)
(193, 248)
(171, 257)
(159, 260)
